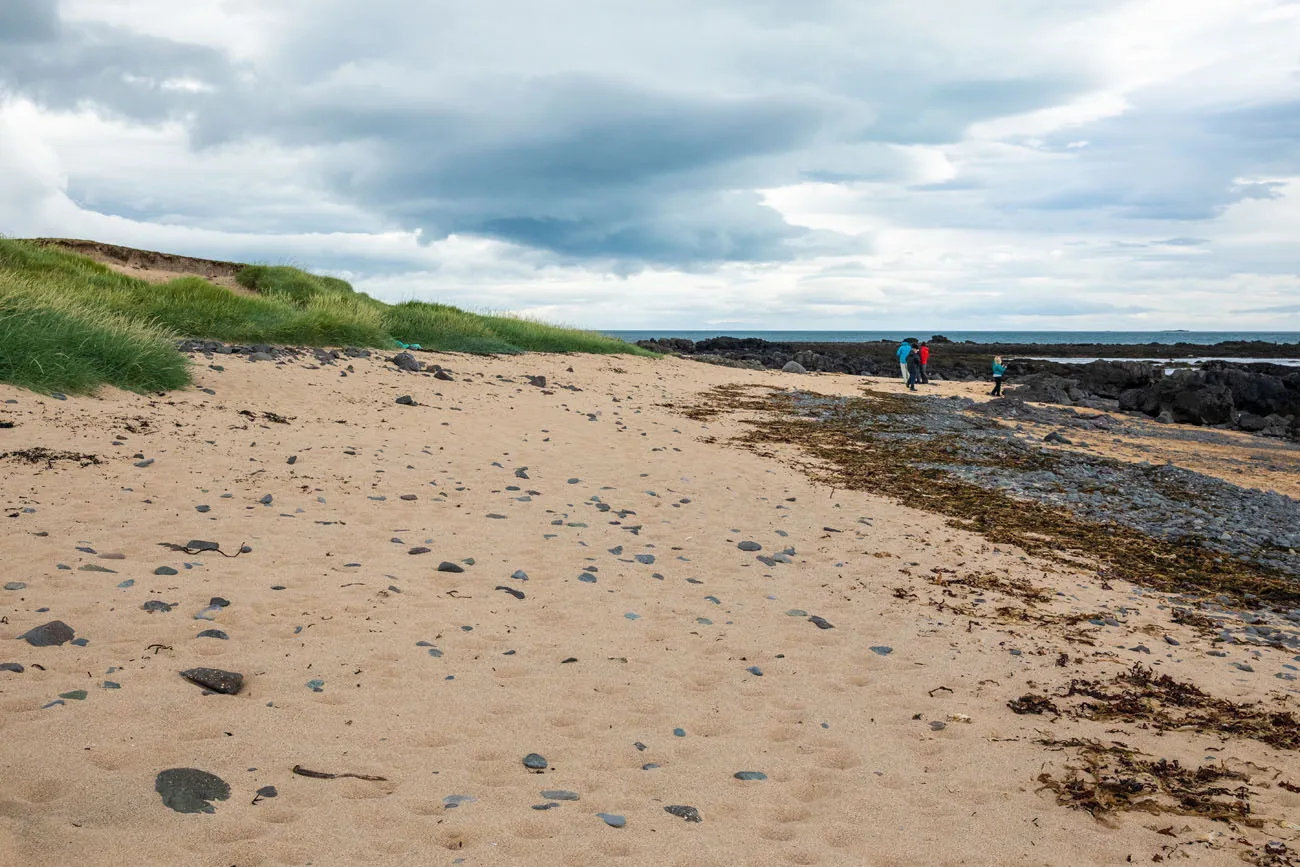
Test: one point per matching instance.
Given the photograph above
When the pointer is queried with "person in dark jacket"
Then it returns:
(913, 368)
(999, 369)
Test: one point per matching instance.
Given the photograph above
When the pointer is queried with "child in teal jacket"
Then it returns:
(998, 370)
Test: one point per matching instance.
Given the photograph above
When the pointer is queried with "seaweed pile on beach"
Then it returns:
(1126, 521)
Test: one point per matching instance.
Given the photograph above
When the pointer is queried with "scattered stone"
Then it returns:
(52, 634)
(406, 361)
(682, 811)
(418, 549)
(15, 667)
(409, 497)
(519, 575)
(679, 733)
(188, 790)
(645, 559)
(213, 633)
(407, 400)
(750, 546)
(559, 795)
(446, 566)
(882, 650)
(755, 670)
(224, 682)
(750, 775)
(452, 801)
(821, 622)
(15, 585)
(267, 792)
(518, 594)
(612, 819)
(165, 570)
(157, 605)
(535, 762)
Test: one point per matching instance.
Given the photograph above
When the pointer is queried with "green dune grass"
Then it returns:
(69, 324)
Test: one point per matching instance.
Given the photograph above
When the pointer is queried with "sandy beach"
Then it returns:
(429, 593)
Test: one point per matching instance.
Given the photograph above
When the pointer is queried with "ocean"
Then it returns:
(1045, 337)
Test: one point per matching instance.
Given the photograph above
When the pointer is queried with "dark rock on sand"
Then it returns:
(447, 566)
(188, 790)
(750, 775)
(213, 633)
(682, 811)
(225, 682)
(157, 605)
(821, 622)
(406, 400)
(15, 667)
(51, 634)
(535, 762)
(406, 361)
(750, 546)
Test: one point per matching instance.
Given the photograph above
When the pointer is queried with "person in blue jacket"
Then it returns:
(999, 369)
(904, 350)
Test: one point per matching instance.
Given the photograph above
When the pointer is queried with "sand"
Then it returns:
(858, 769)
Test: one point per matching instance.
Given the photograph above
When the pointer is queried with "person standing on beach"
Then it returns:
(999, 369)
(913, 366)
(925, 360)
(904, 349)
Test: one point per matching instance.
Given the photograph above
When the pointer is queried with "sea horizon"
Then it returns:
(1046, 337)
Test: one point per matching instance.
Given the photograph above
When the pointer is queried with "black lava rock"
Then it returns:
(225, 682)
(682, 811)
(446, 566)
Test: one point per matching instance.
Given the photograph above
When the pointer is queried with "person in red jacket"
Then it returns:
(925, 359)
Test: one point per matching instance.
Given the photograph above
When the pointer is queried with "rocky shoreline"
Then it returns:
(1259, 398)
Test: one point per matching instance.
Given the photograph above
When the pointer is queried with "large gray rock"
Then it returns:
(794, 367)
(51, 634)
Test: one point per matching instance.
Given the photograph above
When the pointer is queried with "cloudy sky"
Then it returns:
(714, 164)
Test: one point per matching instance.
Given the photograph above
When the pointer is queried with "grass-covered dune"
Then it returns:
(70, 324)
